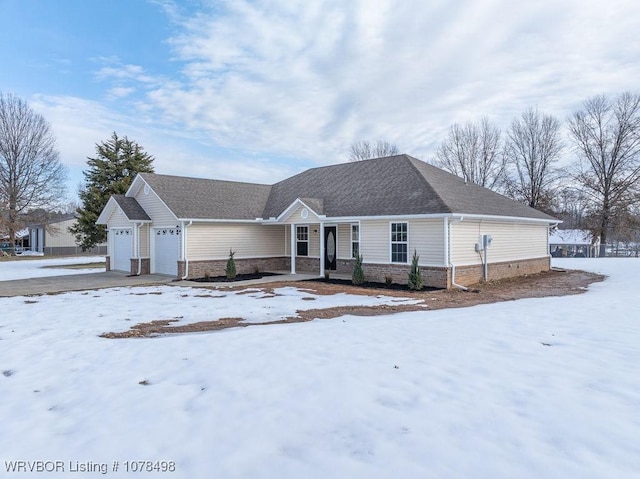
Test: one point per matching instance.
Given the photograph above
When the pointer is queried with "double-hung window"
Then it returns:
(355, 241)
(302, 240)
(399, 242)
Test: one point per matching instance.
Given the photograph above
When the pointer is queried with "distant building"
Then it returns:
(574, 243)
(54, 239)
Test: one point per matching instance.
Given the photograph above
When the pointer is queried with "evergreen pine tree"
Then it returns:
(415, 275)
(230, 270)
(358, 275)
(117, 162)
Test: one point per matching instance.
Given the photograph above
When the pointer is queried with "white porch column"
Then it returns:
(293, 249)
(322, 249)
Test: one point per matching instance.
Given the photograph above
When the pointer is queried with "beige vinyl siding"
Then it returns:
(155, 208)
(213, 240)
(511, 241)
(144, 241)
(314, 240)
(296, 216)
(118, 219)
(426, 236)
(57, 234)
(374, 241)
(344, 241)
(287, 240)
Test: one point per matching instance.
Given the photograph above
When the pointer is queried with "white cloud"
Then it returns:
(80, 124)
(265, 88)
(306, 79)
(118, 92)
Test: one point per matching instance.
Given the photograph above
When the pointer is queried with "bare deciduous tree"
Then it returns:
(573, 206)
(534, 146)
(31, 175)
(365, 150)
(474, 152)
(606, 134)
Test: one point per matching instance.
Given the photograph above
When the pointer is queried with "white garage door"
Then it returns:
(121, 241)
(166, 251)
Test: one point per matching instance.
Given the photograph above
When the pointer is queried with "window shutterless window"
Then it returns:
(302, 243)
(399, 242)
(355, 241)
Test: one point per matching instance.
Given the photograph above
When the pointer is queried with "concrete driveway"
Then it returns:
(77, 282)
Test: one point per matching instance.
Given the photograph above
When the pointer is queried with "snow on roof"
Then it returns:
(570, 237)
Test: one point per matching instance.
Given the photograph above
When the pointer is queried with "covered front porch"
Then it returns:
(323, 247)
(315, 243)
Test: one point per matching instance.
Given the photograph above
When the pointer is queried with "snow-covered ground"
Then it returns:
(39, 268)
(533, 388)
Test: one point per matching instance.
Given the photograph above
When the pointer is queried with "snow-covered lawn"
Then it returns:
(23, 268)
(524, 389)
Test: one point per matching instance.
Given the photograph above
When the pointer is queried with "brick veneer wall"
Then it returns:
(432, 276)
(145, 266)
(108, 264)
(305, 264)
(436, 277)
(467, 275)
(198, 269)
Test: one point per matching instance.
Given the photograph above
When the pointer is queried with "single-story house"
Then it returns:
(21, 237)
(574, 242)
(317, 221)
(54, 239)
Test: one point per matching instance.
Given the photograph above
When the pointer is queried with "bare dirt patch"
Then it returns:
(552, 283)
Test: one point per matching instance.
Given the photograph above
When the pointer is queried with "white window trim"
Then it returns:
(351, 225)
(302, 241)
(397, 242)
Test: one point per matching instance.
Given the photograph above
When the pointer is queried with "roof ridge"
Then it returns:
(410, 160)
(344, 163)
(212, 180)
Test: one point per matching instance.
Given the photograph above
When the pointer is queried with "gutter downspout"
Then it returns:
(448, 246)
(551, 225)
(184, 249)
(138, 226)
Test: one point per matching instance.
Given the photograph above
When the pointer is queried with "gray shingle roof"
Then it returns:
(196, 198)
(397, 185)
(392, 186)
(469, 198)
(131, 208)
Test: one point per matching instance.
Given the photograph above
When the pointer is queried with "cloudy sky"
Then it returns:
(257, 90)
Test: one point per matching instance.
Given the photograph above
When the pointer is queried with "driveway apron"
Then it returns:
(78, 282)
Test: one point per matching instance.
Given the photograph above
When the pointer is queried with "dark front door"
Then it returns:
(330, 250)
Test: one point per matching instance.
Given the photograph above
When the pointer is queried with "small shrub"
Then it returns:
(358, 275)
(415, 275)
(327, 275)
(256, 270)
(230, 269)
(206, 276)
(388, 279)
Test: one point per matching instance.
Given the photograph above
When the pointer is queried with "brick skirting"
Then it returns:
(145, 266)
(433, 276)
(468, 275)
(198, 269)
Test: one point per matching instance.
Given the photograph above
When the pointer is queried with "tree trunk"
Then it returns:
(604, 227)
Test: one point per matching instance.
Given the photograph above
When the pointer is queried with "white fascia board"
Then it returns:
(518, 219)
(292, 207)
(135, 185)
(216, 220)
(107, 211)
(351, 219)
